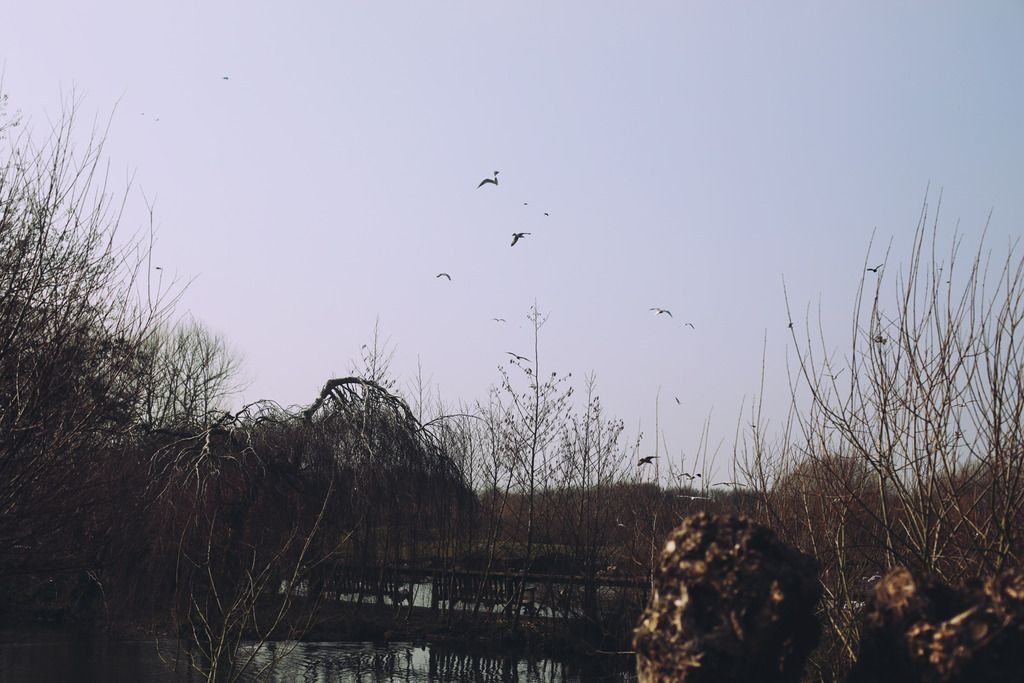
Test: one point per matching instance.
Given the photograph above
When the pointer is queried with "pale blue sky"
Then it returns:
(689, 154)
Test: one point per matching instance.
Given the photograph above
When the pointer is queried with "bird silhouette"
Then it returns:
(516, 236)
(694, 497)
(660, 311)
(493, 181)
(690, 325)
(691, 476)
(518, 357)
(646, 460)
(875, 269)
(443, 275)
(223, 78)
(546, 213)
(498, 320)
(678, 402)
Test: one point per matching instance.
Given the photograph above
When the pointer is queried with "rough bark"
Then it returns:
(918, 629)
(730, 603)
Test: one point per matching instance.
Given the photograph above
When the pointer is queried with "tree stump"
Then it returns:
(920, 630)
(730, 604)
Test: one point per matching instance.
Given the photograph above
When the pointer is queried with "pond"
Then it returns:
(70, 660)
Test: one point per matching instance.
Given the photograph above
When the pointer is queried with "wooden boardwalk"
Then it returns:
(468, 588)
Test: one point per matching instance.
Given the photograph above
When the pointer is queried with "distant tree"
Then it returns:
(190, 374)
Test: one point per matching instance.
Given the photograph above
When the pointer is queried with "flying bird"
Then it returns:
(678, 402)
(516, 236)
(646, 460)
(443, 275)
(691, 476)
(546, 213)
(660, 311)
(695, 497)
(875, 269)
(498, 320)
(224, 78)
(517, 356)
(690, 325)
(493, 181)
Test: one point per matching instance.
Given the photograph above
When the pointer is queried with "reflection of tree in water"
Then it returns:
(355, 662)
(452, 666)
(455, 666)
(368, 663)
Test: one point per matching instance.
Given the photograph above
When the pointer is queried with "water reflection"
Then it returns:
(368, 663)
(78, 661)
(551, 600)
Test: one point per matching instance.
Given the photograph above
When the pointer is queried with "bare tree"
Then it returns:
(591, 463)
(72, 337)
(531, 425)
(906, 449)
(190, 374)
(252, 525)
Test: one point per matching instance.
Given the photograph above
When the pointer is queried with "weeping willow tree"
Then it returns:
(410, 492)
(255, 510)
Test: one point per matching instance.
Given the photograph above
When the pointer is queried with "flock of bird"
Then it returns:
(516, 237)
(657, 310)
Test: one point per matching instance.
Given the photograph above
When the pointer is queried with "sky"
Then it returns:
(312, 166)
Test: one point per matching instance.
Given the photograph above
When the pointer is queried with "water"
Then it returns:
(73, 660)
(67, 660)
(539, 599)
